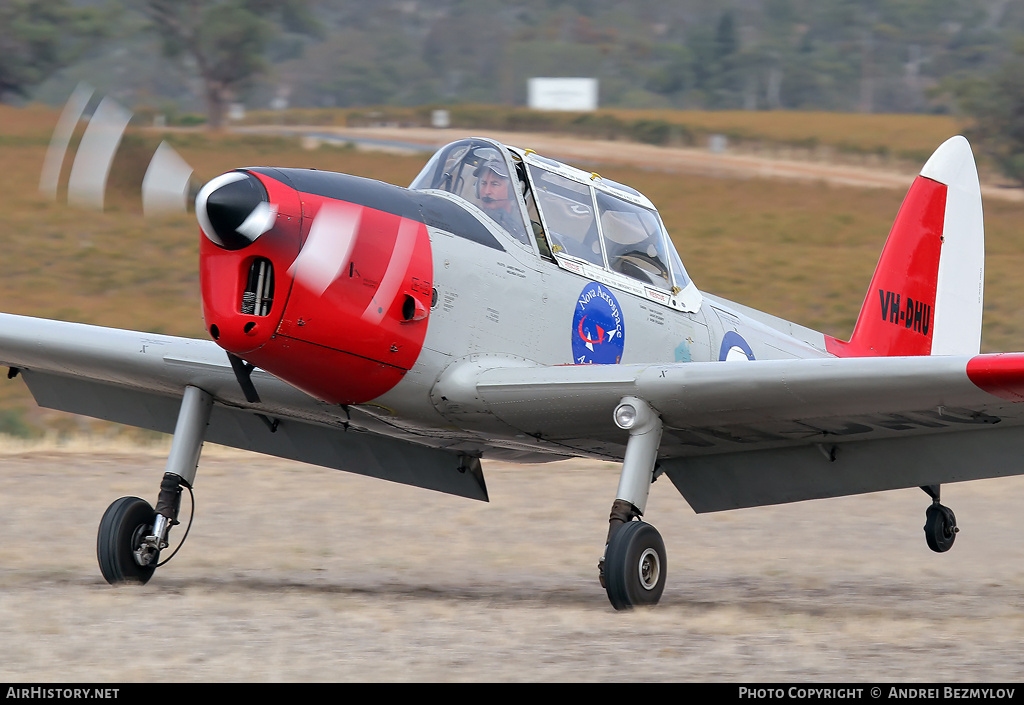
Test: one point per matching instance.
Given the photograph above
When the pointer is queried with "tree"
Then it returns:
(39, 37)
(226, 39)
(997, 108)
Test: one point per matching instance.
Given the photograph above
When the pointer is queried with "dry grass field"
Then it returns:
(850, 136)
(852, 133)
(295, 573)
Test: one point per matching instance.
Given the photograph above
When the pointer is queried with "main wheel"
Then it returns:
(123, 527)
(940, 528)
(635, 566)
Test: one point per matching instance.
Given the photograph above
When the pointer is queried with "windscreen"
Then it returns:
(569, 216)
(477, 171)
(633, 240)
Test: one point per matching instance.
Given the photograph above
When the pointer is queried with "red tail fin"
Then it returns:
(926, 294)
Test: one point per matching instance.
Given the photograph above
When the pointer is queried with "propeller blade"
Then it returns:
(328, 246)
(165, 187)
(260, 220)
(395, 272)
(89, 173)
(58, 148)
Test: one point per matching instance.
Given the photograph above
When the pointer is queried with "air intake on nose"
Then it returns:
(259, 288)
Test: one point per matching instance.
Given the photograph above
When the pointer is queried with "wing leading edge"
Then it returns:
(774, 431)
(736, 434)
(138, 379)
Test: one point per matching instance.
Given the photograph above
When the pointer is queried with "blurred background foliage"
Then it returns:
(839, 55)
(190, 59)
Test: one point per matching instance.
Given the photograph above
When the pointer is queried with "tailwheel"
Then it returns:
(634, 566)
(121, 548)
(940, 527)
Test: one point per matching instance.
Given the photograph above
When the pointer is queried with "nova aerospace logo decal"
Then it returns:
(598, 328)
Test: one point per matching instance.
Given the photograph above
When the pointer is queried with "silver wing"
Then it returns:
(139, 379)
(743, 434)
(735, 434)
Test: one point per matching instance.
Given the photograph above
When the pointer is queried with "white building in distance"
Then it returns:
(576, 94)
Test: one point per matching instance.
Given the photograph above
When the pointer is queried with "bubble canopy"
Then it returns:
(586, 224)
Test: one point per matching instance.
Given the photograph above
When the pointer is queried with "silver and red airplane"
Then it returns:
(508, 306)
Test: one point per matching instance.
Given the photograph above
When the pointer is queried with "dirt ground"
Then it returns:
(295, 573)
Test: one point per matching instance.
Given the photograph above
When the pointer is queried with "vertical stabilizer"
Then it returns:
(927, 292)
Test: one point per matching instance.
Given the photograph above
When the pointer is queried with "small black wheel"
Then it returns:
(940, 528)
(635, 566)
(123, 527)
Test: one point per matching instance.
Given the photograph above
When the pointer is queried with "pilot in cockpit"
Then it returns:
(497, 197)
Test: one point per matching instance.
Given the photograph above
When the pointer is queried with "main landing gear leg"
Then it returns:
(940, 527)
(633, 568)
(132, 533)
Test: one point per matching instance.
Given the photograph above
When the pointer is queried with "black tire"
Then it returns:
(635, 566)
(121, 531)
(940, 528)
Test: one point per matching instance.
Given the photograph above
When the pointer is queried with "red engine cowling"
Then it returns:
(321, 279)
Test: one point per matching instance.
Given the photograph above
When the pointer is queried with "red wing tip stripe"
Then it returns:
(1000, 374)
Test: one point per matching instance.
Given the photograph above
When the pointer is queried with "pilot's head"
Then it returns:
(493, 185)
